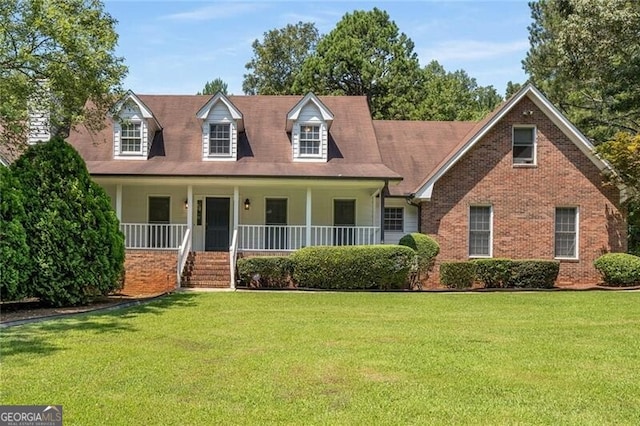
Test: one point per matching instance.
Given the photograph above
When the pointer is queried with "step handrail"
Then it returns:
(183, 254)
(233, 253)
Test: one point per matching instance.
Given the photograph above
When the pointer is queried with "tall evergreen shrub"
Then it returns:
(77, 249)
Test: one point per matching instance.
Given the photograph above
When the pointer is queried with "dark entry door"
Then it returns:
(217, 224)
(276, 218)
(344, 219)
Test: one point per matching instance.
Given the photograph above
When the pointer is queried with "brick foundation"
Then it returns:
(524, 199)
(149, 272)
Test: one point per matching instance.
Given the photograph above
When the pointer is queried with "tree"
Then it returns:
(69, 45)
(16, 264)
(585, 55)
(365, 55)
(213, 87)
(77, 249)
(278, 59)
(448, 96)
(512, 89)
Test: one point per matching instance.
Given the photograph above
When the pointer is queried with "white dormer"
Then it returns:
(221, 123)
(309, 122)
(134, 127)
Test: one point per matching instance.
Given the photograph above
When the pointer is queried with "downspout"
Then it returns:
(410, 200)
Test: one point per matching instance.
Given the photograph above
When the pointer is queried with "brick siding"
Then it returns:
(524, 199)
(149, 272)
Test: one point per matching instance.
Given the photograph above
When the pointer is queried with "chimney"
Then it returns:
(39, 113)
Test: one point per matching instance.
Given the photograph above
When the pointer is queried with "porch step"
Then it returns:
(207, 270)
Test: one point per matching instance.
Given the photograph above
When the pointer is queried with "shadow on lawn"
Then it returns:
(39, 339)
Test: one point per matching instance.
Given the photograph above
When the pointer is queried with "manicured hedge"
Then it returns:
(457, 274)
(353, 267)
(619, 269)
(493, 273)
(265, 271)
(426, 249)
(534, 273)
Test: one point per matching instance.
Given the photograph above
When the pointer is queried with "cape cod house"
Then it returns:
(197, 180)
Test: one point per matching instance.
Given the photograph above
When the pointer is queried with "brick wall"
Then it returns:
(149, 272)
(524, 199)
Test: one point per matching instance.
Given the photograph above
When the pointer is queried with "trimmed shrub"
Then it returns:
(457, 274)
(265, 271)
(493, 273)
(534, 273)
(426, 249)
(353, 267)
(619, 269)
(77, 249)
(15, 262)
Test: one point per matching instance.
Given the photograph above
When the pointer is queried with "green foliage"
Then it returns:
(426, 249)
(77, 249)
(278, 59)
(534, 273)
(15, 263)
(619, 269)
(584, 56)
(512, 89)
(457, 274)
(353, 267)
(71, 45)
(493, 273)
(265, 271)
(213, 87)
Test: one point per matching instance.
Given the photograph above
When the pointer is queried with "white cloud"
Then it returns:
(470, 50)
(216, 11)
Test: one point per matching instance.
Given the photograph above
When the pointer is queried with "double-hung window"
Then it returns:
(566, 233)
(393, 219)
(131, 138)
(480, 226)
(310, 141)
(220, 139)
(524, 145)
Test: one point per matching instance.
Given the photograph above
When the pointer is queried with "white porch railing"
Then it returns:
(293, 237)
(233, 255)
(183, 254)
(153, 236)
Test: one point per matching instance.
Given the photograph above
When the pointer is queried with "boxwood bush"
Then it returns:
(619, 269)
(493, 273)
(352, 267)
(426, 249)
(534, 273)
(265, 271)
(457, 274)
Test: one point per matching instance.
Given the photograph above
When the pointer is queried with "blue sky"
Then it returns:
(174, 47)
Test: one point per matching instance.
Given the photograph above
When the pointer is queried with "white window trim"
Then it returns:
(535, 145)
(476, 256)
(124, 153)
(320, 127)
(231, 129)
(384, 218)
(577, 250)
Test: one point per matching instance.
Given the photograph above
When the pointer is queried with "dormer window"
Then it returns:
(131, 138)
(220, 139)
(310, 141)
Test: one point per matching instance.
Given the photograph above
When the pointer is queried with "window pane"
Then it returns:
(219, 139)
(393, 220)
(565, 232)
(480, 231)
(309, 140)
(523, 145)
(523, 136)
(130, 137)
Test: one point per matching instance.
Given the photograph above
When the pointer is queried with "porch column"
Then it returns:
(382, 212)
(190, 207)
(308, 218)
(119, 201)
(236, 207)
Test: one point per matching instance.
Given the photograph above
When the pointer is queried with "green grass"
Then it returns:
(337, 358)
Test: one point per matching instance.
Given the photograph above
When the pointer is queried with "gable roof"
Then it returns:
(264, 148)
(425, 189)
(294, 113)
(132, 97)
(203, 112)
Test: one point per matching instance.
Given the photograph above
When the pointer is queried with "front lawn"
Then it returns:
(337, 358)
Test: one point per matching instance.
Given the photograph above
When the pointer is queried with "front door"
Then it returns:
(344, 219)
(276, 220)
(159, 215)
(217, 224)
